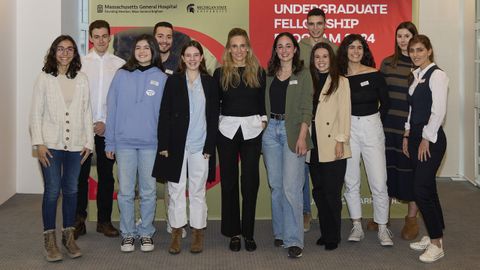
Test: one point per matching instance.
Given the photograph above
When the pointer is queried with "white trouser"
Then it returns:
(368, 141)
(196, 167)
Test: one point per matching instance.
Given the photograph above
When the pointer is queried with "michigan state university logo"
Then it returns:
(191, 8)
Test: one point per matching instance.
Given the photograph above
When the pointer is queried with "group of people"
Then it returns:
(316, 110)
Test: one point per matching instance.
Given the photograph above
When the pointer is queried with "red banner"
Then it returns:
(376, 20)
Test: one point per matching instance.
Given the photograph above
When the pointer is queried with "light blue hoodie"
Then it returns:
(133, 106)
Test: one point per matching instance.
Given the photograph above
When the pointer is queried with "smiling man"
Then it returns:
(316, 28)
(163, 33)
(100, 67)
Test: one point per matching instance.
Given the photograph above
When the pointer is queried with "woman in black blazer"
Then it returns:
(187, 129)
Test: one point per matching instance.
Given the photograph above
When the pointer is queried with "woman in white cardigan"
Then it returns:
(62, 133)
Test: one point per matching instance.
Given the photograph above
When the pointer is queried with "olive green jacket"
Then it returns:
(298, 105)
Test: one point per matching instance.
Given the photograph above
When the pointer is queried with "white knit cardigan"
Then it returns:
(53, 124)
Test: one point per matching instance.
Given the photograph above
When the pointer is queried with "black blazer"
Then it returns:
(173, 126)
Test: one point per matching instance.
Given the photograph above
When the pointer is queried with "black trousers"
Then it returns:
(106, 183)
(424, 185)
(228, 153)
(327, 182)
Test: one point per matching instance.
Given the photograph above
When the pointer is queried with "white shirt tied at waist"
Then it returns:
(100, 71)
(439, 86)
(251, 125)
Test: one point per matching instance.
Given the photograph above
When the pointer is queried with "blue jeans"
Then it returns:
(133, 162)
(62, 174)
(285, 171)
(307, 208)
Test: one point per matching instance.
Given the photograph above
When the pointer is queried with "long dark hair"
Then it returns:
(397, 52)
(132, 63)
(342, 54)
(274, 62)
(50, 65)
(332, 71)
(193, 43)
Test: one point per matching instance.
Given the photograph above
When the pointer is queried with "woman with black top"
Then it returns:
(396, 69)
(242, 118)
(286, 140)
(330, 136)
(424, 142)
(368, 90)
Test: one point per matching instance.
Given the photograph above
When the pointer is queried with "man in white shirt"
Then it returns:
(100, 67)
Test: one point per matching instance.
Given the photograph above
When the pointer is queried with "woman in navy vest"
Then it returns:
(425, 143)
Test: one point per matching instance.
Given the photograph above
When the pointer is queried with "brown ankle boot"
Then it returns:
(80, 228)
(52, 253)
(197, 241)
(176, 244)
(372, 225)
(68, 241)
(410, 229)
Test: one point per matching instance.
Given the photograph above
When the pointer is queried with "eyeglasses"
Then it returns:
(68, 50)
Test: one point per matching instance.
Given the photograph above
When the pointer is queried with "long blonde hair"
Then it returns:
(230, 74)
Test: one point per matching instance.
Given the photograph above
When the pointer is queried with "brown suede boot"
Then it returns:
(68, 241)
(371, 225)
(410, 229)
(197, 241)
(176, 244)
(52, 253)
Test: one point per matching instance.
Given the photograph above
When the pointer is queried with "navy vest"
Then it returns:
(421, 100)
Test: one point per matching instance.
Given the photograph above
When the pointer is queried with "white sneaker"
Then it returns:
(128, 244)
(146, 244)
(421, 245)
(432, 253)
(356, 234)
(169, 230)
(385, 236)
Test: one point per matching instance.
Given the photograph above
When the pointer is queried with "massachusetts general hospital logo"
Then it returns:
(192, 8)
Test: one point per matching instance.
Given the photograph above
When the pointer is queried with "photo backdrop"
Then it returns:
(209, 22)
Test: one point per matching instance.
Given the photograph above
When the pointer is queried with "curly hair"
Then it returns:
(132, 62)
(274, 62)
(50, 65)
(230, 74)
(342, 53)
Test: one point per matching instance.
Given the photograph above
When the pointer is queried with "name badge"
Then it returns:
(153, 82)
(365, 83)
(150, 92)
(293, 82)
(421, 81)
(169, 71)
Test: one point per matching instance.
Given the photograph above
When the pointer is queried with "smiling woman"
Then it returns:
(62, 132)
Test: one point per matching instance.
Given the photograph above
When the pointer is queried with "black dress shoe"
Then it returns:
(235, 243)
(250, 244)
(278, 242)
(320, 242)
(107, 229)
(331, 246)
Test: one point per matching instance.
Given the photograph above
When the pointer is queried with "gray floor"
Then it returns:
(21, 243)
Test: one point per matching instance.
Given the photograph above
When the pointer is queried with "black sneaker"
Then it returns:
(294, 252)
(278, 242)
(128, 244)
(146, 244)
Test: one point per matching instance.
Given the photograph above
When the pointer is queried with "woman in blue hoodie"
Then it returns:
(133, 103)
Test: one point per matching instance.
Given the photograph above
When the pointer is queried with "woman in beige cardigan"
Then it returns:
(330, 135)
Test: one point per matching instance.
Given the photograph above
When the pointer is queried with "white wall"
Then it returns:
(449, 25)
(38, 23)
(8, 89)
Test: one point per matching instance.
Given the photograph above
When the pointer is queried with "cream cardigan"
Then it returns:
(53, 124)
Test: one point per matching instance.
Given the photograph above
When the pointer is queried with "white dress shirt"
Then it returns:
(439, 87)
(251, 125)
(100, 71)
